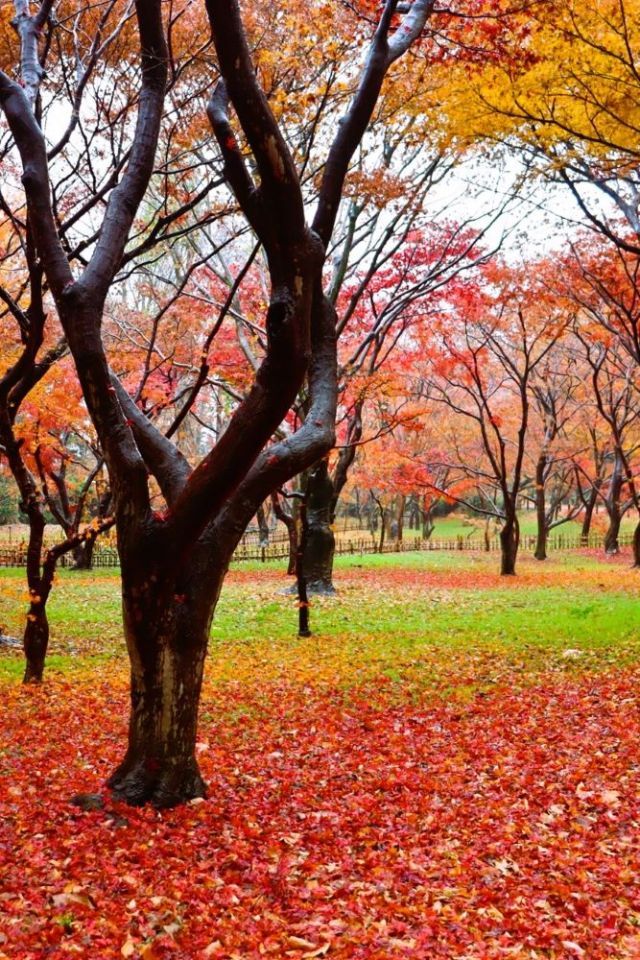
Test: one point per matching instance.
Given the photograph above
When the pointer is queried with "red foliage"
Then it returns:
(341, 822)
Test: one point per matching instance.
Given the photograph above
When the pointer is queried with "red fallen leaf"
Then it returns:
(480, 844)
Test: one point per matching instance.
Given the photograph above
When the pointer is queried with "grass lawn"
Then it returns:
(447, 768)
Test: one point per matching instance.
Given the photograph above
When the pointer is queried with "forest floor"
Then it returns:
(448, 768)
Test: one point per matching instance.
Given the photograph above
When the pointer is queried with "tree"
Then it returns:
(566, 93)
(486, 349)
(615, 388)
(377, 311)
(173, 563)
(553, 388)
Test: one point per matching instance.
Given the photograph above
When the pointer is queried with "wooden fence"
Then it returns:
(278, 549)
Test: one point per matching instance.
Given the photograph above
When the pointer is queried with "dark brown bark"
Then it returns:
(83, 555)
(588, 515)
(541, 509)
(614, 511)
(170, 582)
(263, 526)
(319, 548)
(400, 517)
(636, 545)
(35, 642)
(304, 628)
(509, 543)
(426, 512)
(289, 519)
(167, 628)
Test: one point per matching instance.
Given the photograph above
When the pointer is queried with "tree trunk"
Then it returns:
(541, 510)
(320, 542)
(509, 542)
(611, 545)
(35, 642)
(588, 515)
(636, 545)
(263, 526)
(83, 555)
(400, 517)
(428, 525)
(291, 525)
(304, 629)
(36, 632)
(167, 631)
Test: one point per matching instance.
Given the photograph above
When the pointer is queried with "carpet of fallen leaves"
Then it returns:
(376, 818)
(339, 824)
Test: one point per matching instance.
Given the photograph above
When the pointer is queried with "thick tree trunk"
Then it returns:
(509, 542)
(541, 510)
(35, 642)
(167, 630)
(320, 542)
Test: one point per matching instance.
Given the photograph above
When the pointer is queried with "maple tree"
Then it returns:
(484, 353)
(564, 90)
(377, 311)
(32, 363)
(550, 444)
(173, 563)
(377, 792)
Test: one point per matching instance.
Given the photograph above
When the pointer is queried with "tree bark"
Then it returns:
(263, 526)
(290, 522)
(426, 516)
(83, 555)
(400, 517)
(35, 642)
(636, 546)
(167, 632)
(509, 542)
(611, 545)
(541, 510)
(588, 515)
(320, 541)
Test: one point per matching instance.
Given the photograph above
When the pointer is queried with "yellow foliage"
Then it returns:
(568, 85)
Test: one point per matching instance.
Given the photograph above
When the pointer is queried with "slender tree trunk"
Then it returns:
(383, 527)
(509, 542)
(291, 525)
(167, 629)
(611, 545)
(263, 526)
(83, 555)
(636, 545)
(428, 525)
(541, 510)
(400, 517)
(304, 629)
(320, 541)
(588, 515)
(36, 632)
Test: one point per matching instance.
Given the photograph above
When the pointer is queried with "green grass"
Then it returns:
(390, 609)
